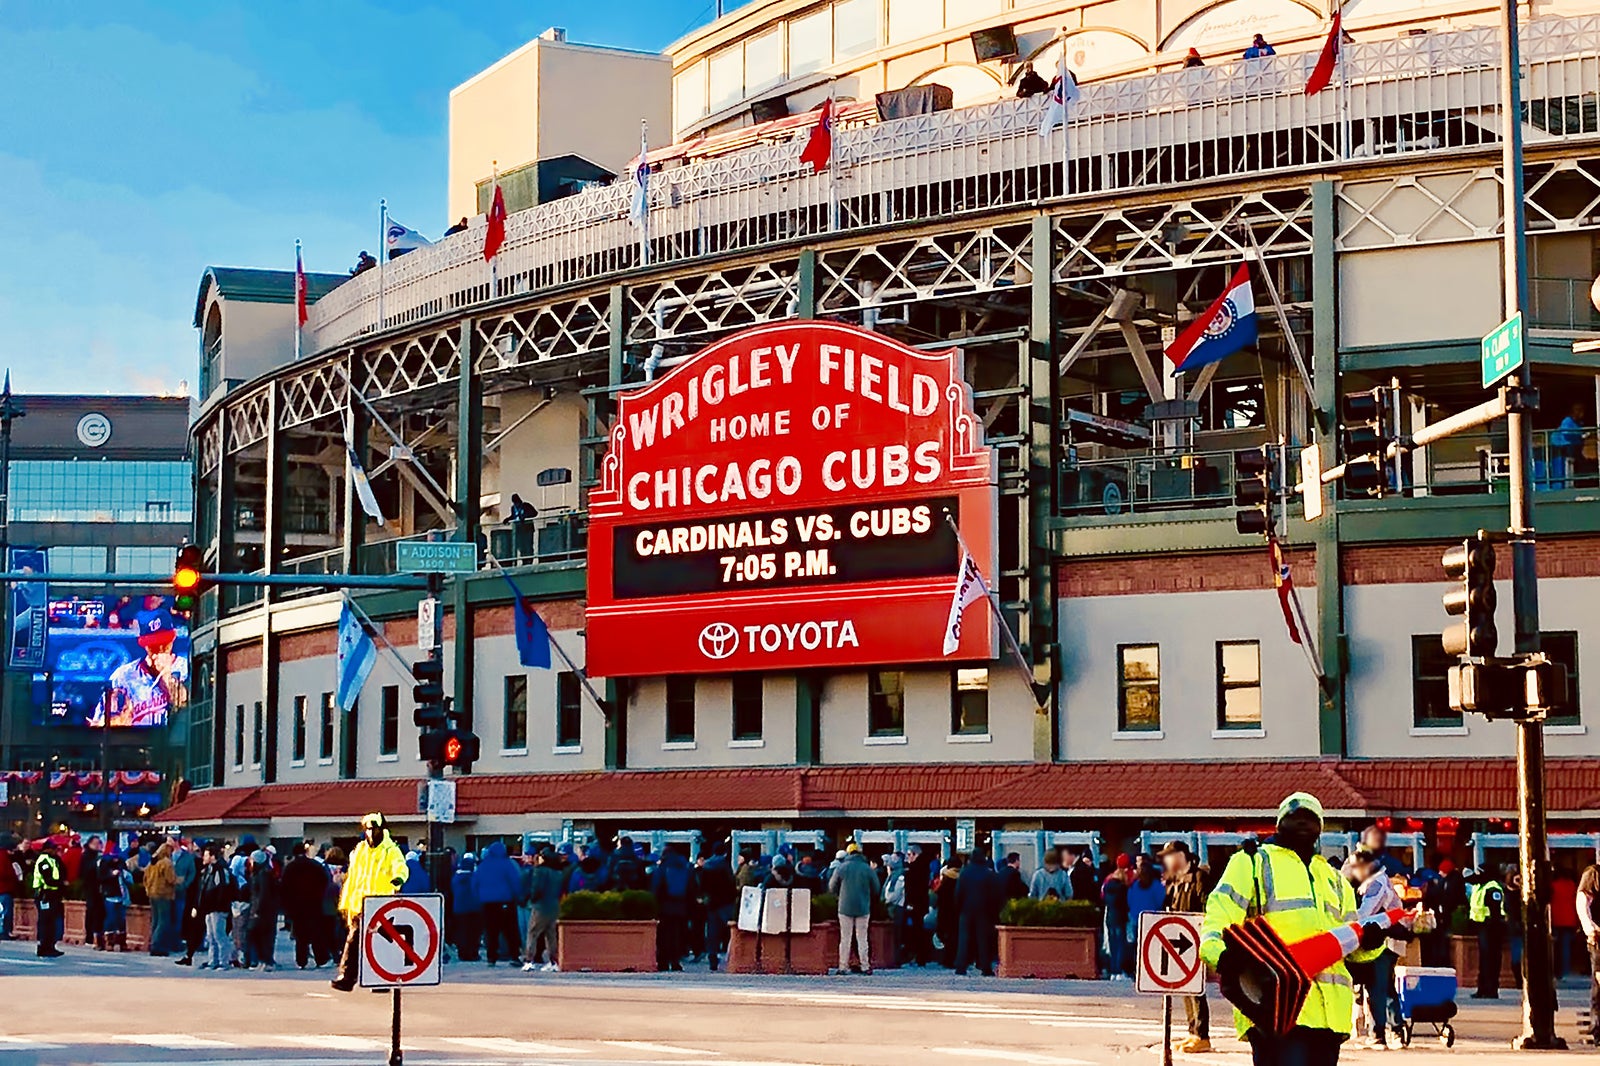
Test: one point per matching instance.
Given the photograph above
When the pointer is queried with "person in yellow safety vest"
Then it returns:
(48, 887)
(1486, 908)
(1301, 895)
(377, 868)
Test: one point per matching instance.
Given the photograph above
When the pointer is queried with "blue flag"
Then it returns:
(533, 637)
(357, 656)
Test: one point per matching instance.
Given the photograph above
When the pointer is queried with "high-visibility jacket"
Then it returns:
(1478, 902)
(1299, 900)
(374, 871)
(47, 879)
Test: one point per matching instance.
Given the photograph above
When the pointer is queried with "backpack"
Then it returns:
(675, 879)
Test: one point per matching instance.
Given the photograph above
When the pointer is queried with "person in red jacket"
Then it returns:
(10, 886)
(1564, 919)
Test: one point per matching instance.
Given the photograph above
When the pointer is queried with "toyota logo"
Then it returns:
(718, 640)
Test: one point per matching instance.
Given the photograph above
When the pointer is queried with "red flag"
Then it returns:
(1322, 73)
(300, 294)
(819, 143)
(1284, 581)
(496, 235)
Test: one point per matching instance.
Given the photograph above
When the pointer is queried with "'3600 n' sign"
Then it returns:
(778, 502)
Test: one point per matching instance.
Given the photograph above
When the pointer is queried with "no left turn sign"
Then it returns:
(401, 941)
(1169, 954)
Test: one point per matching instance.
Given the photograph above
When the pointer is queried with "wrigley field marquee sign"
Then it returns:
(778, 502)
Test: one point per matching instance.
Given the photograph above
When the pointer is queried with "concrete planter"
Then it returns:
(799, 953)
(24, 920)
(25, 923)
(1464, 954)
(1047, 952)
(138, 928)
(880, 938)
(606, 947)
(75, 912)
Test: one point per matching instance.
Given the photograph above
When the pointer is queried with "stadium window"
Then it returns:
(1238, 684)
(1138, 688)
(259, 731)
(238, 737)
(763, 61)
(910, 19)
(1234, 405)
(298, 732)
(886, 703)
(680, 710)
(325, 734)
(515, 726)
(1430, 688)
(810, 42)
(569, 710)
(389, 722)
(81, 559)
(969, 702)
(726, 78)
(747, 706)
(1562, 647)
(857, 27)
(689, 94)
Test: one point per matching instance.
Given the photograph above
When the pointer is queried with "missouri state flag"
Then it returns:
(1228, 325)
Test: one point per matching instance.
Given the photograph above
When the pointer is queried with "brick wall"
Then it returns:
(308, 644)
(243, 657)
(557, 614)
(1410, 564)
(1195, 572)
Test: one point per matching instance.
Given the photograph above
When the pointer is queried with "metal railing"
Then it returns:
(549, 538)
(1561, 303)
(1475, 463)
(1133, 484)
(1434, 92)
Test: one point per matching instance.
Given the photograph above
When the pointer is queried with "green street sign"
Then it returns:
(436, 557)
(1502, 350)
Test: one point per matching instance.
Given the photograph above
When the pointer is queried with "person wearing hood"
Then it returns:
(589, 874)
(781, 875)
(468, 911)
(672, 883)
(498, 883)
(894, 898)
(418, 883)
(305, 883)
(975, 889)
(264, 903)
(722, 899)
(1259, 48)
(377, 868)
(1050, 881)
(161, 888)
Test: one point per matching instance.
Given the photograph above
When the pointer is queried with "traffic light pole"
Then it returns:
(1538, 984)
(437, 869)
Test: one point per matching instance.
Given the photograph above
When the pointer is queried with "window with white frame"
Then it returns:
(810, 42)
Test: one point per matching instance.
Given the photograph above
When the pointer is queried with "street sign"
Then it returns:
(1169, 954)
(1502, 350)
(436, 557)
(439, 799)
(1311, 481)
(402, 944)
(427, 612)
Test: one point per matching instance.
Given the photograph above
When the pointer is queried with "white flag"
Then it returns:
(641, 181)
(401, 238)
(1063, 91)
(363, 487)
(356, 655)
(969, 589)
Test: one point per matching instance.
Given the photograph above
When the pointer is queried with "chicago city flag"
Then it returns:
(1226, 326)
(969, 589)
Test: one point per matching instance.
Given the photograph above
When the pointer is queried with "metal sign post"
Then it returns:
(1168, 964)
(401, 945)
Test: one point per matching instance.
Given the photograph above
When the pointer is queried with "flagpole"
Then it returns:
(299, 272)
(1344, 85)
(994, 600)
(833, 162)
(383, 254)
(644, 183)
(374, 630)
(1066, 139)
(494, 271)
(583, 678)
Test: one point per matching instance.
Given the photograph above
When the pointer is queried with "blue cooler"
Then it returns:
(1428, 995)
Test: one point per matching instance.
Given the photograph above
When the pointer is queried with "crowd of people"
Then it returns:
(226, 903)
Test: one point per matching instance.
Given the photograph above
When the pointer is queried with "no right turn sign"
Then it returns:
(1169, 954)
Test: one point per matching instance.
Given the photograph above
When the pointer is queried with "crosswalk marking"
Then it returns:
(1011, 1055)
(338, 1043)
(29, 1043)
(507, 1046)
(170, 1040)
(657, 1049)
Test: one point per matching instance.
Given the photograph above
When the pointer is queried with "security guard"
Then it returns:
(48, 886)
(377, 868)
(1486, 907)
(1301, 895)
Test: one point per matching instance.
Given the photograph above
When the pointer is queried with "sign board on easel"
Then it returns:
(1168, 962)
(774, 910)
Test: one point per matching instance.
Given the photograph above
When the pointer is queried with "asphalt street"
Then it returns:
(107, 1010)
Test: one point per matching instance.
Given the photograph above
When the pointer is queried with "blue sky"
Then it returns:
(142, 141)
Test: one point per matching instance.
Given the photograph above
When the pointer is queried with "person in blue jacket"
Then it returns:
(417, 880)
(498, 884)
(468, 911)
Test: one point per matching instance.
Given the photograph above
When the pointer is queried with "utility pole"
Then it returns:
(436, 864)
(1538, 985)
(10, 411)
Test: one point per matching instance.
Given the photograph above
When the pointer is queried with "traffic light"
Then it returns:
(188, 580)
(1363, 426)
(1472, 564)
(428, 694)
(1252, 490)
(460, 749)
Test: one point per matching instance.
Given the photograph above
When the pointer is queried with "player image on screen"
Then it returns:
(143, 692)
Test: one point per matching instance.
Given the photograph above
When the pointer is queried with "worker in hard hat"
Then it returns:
(377, 868)
(1300, 895)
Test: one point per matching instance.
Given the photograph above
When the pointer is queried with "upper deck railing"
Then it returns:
(1427, 94)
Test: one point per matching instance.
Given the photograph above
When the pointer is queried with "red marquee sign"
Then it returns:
(778, 503)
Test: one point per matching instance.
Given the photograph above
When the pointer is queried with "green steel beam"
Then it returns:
(1038, 373)
(1325, 370)
(806, 283)
(468, 497)
(272, 549)
(616, 741)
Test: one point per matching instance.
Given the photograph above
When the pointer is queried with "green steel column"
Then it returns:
(807, 718)
(806, 279)
(272, 552)
(1325, 367)
(355, 519)
(616, 753)
(468, 495)
(1038, 371)
(224, 561)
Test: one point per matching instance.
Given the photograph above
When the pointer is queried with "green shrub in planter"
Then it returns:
(633, 906)
(1053, 913)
